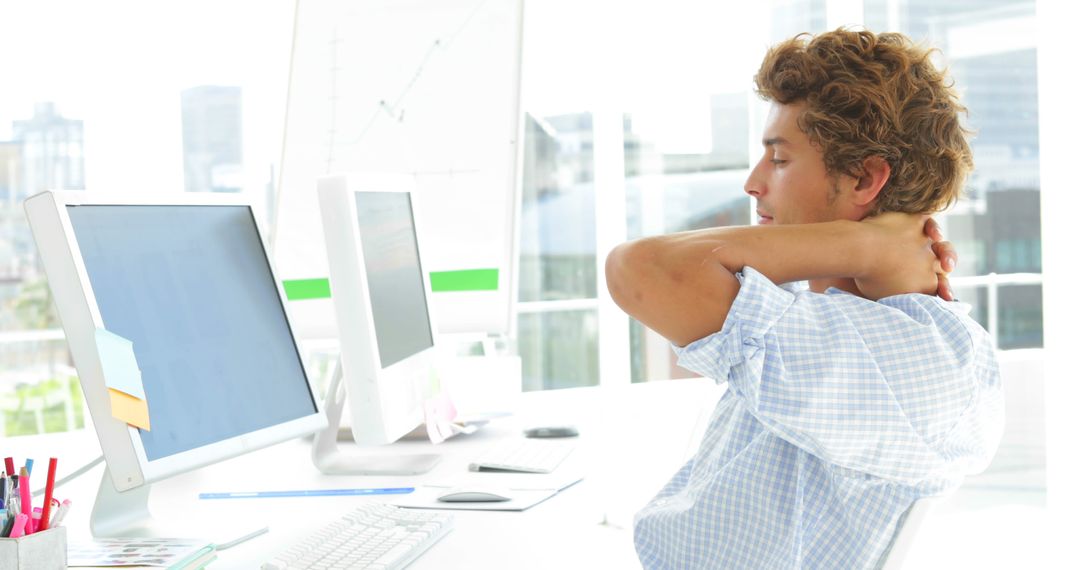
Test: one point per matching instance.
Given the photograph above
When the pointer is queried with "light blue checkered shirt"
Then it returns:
(840, 412)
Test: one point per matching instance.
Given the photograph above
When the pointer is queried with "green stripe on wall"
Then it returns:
(441, 282)
(300, 289)
(465, 280)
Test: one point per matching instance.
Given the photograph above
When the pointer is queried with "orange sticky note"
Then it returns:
(129, 409)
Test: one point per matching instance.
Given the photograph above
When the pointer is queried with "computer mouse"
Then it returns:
(552, 431)
(473, 495)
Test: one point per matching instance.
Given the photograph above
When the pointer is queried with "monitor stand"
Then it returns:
(127, 514)
(121, 514)
(331, 460)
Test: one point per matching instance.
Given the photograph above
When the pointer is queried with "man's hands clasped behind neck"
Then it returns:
(914, 257)
(946, 255)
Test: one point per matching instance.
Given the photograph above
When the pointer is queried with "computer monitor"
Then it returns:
(380, 292)
(186, 279)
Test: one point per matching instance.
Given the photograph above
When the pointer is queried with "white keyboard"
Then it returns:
(525, 455)
(374, 536)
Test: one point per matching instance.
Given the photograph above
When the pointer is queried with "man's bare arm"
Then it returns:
(676, 289)
(682, 285)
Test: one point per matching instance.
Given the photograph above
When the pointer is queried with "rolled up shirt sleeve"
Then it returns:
(876, 387)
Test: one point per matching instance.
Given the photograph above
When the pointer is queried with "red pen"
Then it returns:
(9, 462)
(49, 481)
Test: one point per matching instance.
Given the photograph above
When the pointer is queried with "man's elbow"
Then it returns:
(682, 301)
(624, 271)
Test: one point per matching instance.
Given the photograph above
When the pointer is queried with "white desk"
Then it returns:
(633, 439)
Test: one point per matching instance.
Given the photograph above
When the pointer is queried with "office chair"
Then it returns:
(907, 529)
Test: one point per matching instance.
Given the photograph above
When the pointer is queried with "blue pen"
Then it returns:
(308, 493)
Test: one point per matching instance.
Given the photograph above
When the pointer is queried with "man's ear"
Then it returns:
(869, 185)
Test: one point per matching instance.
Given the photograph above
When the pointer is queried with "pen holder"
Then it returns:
(45, 550)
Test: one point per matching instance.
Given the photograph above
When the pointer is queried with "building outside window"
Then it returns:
(213, 138)
(132, 109)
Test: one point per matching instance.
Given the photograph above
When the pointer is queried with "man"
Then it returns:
(847, 401)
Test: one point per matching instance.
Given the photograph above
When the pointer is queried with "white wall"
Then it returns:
(1058, 90)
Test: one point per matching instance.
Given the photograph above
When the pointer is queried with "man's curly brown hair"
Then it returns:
(875, 95)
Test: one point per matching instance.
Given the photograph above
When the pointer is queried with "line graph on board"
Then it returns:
(423, 87)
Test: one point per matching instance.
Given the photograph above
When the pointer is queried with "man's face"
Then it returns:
(790, 181)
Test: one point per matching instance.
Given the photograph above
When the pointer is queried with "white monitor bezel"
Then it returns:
(377, 397)
(80, 316)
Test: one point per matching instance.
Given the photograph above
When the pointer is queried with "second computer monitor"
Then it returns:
(380, 293)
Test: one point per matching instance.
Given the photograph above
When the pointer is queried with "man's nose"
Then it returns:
(753, 185)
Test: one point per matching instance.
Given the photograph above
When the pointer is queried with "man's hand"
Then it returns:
(946, 255)
(912, 258)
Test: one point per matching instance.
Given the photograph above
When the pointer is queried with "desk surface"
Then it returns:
(633, 438)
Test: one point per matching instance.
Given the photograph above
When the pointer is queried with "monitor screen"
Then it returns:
(191, 287)
(395, 279)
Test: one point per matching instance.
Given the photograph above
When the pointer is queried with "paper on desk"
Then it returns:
(158, 552)
(428, 498)
(127, 398)
(563, 477)
(526, 490)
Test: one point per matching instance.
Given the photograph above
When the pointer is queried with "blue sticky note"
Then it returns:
(118, 363)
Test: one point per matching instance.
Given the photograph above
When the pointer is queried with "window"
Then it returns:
(686, 141)
(100, 105)
(672, 156)
(558, 255)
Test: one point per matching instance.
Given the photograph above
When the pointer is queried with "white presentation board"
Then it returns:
(428, 88)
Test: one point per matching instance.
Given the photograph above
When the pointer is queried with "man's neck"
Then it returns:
(821, 285)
